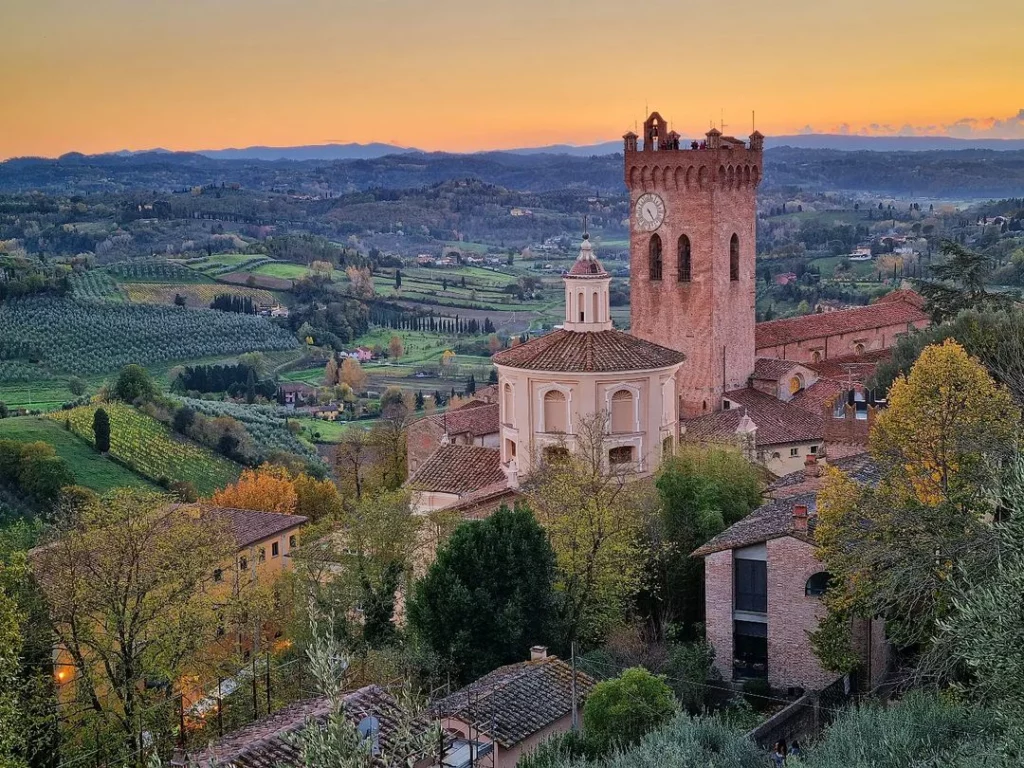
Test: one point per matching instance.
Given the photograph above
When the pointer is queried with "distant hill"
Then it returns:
(952, 174)
(308, 152)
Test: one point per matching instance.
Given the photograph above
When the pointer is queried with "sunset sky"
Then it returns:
(103, 75)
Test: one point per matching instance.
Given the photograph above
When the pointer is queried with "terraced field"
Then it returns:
(196, 294)
(150, 449)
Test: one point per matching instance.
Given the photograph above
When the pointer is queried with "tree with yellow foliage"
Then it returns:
(946, 424)
(395, 347)
(594, 516)
(352, 373)
(893, 549)
(269, 488)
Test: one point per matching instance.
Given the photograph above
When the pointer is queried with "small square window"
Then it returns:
(274, 552)
(263, 554)
(814, 449)
(243, 563)
(794, 451)
(622, 454)
(292, 541)
(218, 575)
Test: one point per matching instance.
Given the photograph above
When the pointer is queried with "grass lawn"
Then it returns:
(331, 431)
(91, 469)
(282, 270)
(147, 446)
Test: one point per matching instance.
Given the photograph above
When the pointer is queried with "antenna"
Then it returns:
(584, 223)
(753, 122)
(721, 120)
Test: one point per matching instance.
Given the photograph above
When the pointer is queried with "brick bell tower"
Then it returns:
(693, 210)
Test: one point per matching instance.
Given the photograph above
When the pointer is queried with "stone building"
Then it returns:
(763, 589)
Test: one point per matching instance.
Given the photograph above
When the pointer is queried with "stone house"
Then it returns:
(508, 712)
(763, 588)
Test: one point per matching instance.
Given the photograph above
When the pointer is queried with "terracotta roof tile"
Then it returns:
(268, 742)
(858, 367)
(459, 469)
(590, 351)
(775, 519)
(474, 418)
(772, 369)
(514, 702)
(777, 422)
(790, 330)
(248, 526)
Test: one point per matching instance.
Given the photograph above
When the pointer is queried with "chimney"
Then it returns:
(800, 518)
(811, 465)
(538, 652)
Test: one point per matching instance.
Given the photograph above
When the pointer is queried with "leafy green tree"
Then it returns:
(77, 386)
(489, 594)
(4, 411)
(42, 473)
(960, 283)
(703, 490)
(420, 401)
(11, 725)
(134, 384)
(101, 430)
(620, 711)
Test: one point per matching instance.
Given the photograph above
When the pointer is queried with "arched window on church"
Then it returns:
(734, 258)
(655, 258)
(581, 304)
(684, 259)
(596, 316)
(507, 404)
(622, 411)
(555, 411)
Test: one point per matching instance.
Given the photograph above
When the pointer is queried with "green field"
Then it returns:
(148, 447)
(330, 431)
(91, 469)
(281, 269)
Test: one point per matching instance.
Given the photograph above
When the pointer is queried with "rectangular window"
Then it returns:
(291, 541)
(218, 575)
(263, 554)
(750, 649)
(622, 454)
(793, 452)
(243, 563)
(814, 449)
(750, 586)
(274, 551)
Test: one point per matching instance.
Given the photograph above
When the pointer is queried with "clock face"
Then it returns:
(649, 212)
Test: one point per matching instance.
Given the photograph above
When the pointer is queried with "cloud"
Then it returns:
(1011, 127)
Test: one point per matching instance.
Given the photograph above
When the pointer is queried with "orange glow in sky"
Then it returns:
(463, 75)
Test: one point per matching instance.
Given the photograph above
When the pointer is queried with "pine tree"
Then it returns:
(420, 400)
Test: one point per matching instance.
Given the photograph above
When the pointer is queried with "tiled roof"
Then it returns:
(772, 369)
(777, 422)
(494, 493)
(516, 701)
(820, 393)
(459, 469)
(913, 297)
(248, 526)
(775, 519)
(587, 268)
(858, 367)
(790, 330)
(588, 351)
(859, 466)
(267, 743)
(474, 418)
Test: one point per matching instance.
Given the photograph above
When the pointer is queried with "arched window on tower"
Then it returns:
(655, 258)
(581, 304)
(596, 317)
(684, 259)
(622, 412)
(508, 404)
(734, 258)
(555, 411)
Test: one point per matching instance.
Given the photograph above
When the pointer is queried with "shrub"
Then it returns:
(620, 711)
(757, 693)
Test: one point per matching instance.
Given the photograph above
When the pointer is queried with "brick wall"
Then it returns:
(709, 195)
(718, 609)
(840, 344)
(791, 615)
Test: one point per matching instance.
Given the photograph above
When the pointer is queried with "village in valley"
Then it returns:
(679, 450)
